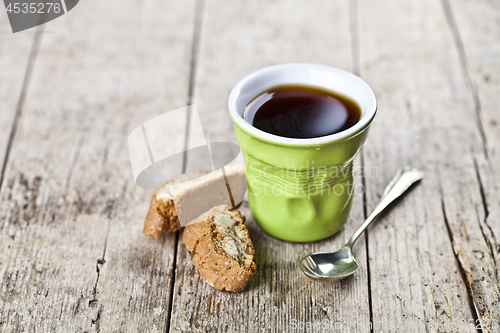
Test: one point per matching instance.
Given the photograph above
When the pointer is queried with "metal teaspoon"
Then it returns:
(341, 264)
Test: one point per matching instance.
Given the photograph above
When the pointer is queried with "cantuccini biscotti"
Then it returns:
(222, 249)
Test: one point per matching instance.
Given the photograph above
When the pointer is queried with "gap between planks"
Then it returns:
(356, 65)
(463, 273)
(195, 46)
(486, 214)
(26, 81)
(459, 45)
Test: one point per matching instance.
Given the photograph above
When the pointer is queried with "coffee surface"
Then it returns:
(301, 112)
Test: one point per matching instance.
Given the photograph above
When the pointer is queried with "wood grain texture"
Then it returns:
(73, 255)
(236, 40)
(430, 247)
(476, 28)
(476, 31)
(482, 63)
(15, 50)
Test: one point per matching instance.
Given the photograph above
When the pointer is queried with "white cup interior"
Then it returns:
(328, 78)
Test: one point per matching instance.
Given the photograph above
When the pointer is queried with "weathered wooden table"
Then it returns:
(72, 256)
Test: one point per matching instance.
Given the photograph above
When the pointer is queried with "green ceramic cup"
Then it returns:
(301, 190)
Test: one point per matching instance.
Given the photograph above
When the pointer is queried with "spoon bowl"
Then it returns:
(333, 266)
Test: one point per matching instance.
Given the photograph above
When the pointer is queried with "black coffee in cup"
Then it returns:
(295, 111)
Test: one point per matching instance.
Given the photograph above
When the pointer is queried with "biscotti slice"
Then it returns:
(162, 217)
(222, 249)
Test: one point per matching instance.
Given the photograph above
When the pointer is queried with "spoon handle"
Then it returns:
(401, 181)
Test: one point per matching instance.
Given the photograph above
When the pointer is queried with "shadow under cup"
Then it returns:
(301, 190)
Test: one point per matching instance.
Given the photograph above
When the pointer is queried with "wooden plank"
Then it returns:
(73, 256)
(236, 40)
(422, 253)
(476, 29)
(14, 56)
(482, 56)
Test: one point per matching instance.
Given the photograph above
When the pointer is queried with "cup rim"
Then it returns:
(365, 120)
